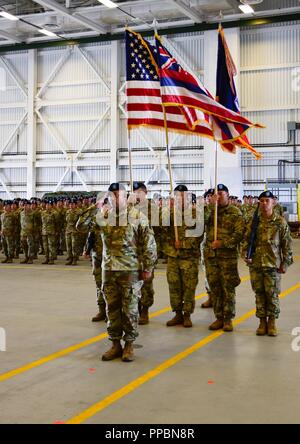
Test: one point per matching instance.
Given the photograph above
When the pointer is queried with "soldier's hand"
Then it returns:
(146, 275)
(216, 244)
(281, 269)
(85, 255)
(248, 261)
(177, 244)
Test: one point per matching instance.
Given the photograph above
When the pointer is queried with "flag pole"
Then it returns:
(171, 177)
(130, 163)
(216, 194)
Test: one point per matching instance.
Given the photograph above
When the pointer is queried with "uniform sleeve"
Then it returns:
(237, 234)
(286, 245)
(148, 250)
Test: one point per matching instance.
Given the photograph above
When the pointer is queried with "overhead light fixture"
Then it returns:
(46, 32)
(247, 9)
(8, 16)
(108, 3)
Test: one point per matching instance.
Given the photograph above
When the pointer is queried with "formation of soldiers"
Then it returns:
(124, 236)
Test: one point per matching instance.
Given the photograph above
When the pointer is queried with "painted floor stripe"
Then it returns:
(133, 385)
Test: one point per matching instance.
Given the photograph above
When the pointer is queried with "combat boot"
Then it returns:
(176, 320)
(101, 316)
(187, 322)
(217, 325)
(74, 262)
(51, 262)
(114, 352)
(4, 260)
(228, 325)
(30, 260)
(46, 261)
(128, 354)
(9, 260)
(144, 317)
(69, 261)
(24, 261)
(262, 328)
(207, 304)
(272, 330)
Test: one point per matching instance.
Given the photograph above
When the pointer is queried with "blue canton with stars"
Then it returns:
(139, 65)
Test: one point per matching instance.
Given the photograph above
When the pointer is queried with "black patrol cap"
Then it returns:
(139, 186)
(116, 186)
(182, 188)
(267, 194)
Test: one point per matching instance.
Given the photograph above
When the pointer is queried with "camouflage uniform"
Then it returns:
(125, 249)
(72, 235)
(272, 248)
(183, 263)
(87, 221)
(8, 228)
(17, 234)
(222, 264)
(27, 234)
(49, 233)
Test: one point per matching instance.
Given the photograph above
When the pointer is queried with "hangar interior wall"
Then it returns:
(63, 124)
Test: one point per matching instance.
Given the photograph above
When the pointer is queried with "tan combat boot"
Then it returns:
(69, 261)
(262, 328)
(101, 316)
(9, 260)
(46, 261)
(144, 317)
(30, 260)
(176, 320)
(217, 325)
(272, 330)
(128, 354)
(114, 352)
(4, 261)
(51, 262)
(208, 303)
(187, 322)
(24, 261)
(228, 325)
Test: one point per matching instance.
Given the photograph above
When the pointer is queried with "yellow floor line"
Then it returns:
(133, 385)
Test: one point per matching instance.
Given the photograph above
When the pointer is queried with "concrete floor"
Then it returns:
(235, 378)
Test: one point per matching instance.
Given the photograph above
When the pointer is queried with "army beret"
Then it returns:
(181, 188)
(138, 186)
(222, 187)
(7, 202)
(116, 186)
(267, 194)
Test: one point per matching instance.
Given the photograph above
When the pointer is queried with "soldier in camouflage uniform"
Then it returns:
(8, 229)
(48, 232)
(27, 233)
(87, 224)
(207, 196)
(272, 256)
(221, 258)
(37, 228)
(128, 247)
(72, 235)
(17, 234)
(1, 211)
(150, 210)
(183, 259)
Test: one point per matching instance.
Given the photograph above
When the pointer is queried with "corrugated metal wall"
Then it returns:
(76, 98)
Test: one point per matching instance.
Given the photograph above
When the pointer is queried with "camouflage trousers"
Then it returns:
(265, 283)
(73, 245)
(28, 245)
(121, 292)
(49, 244)
(97, 273)
(182, 276)
(9, 246)
(222, 276)
(147, 299)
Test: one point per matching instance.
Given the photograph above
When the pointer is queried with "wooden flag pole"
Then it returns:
(130, 163)
(216, 194)
(171, 177)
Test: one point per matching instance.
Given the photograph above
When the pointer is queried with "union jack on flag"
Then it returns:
(144, 103)
(180, 88)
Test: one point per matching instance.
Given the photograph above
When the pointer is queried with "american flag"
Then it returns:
(144, 105)
(182, 89)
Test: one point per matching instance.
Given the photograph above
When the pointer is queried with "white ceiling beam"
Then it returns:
(51, 4)
(8, 36)
(186, 10)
